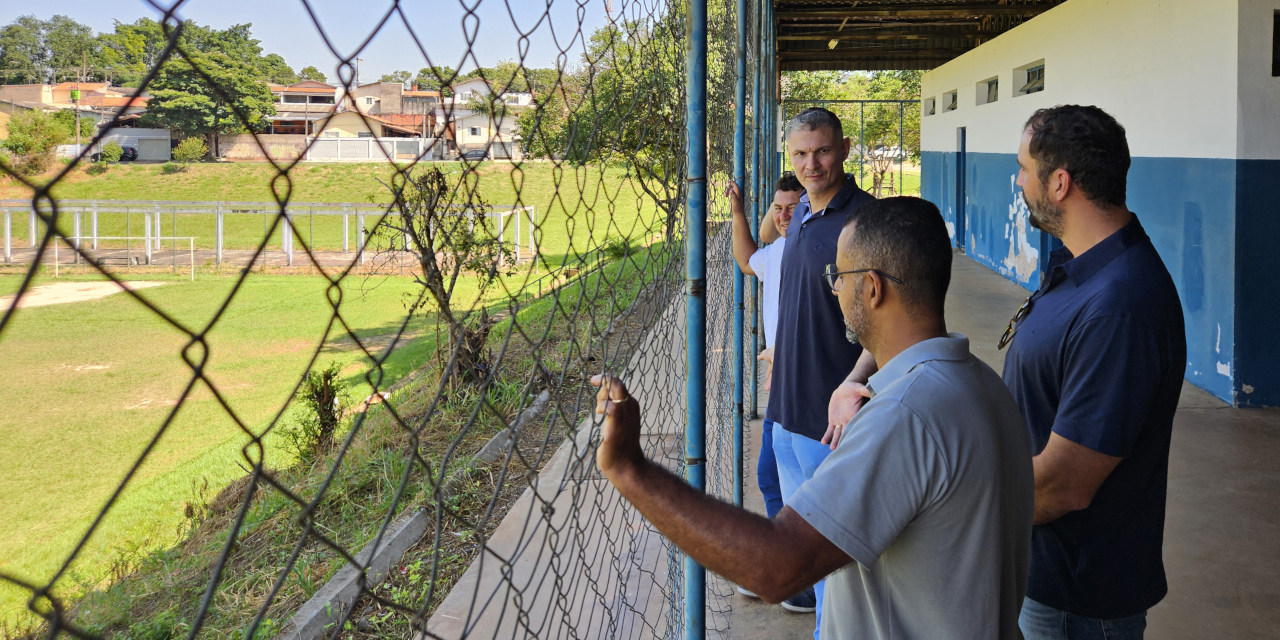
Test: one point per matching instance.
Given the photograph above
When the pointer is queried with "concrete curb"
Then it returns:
(330, 603)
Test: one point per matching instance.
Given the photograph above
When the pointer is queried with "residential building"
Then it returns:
(467, 113)
(300, 105)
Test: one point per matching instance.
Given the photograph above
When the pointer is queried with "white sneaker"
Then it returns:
(747, 593)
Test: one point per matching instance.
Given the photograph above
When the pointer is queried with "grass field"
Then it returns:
(87, 384)
(576, 208)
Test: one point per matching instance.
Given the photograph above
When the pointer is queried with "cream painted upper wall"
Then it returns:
(1166, 69)
(1259, 107)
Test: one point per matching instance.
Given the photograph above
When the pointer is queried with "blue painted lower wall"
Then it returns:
(1257, 332)
(1188, 207)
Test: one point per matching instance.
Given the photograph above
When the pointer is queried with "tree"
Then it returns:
(34, 136)
(436, 79)
(72, 47)
(185, 102)
(23, 56)
(132, 50)
(273, 68)
(67, 119)
(312, 73)
(396, 76)
(447, 229)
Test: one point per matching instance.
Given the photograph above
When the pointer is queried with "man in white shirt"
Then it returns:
(765, 263)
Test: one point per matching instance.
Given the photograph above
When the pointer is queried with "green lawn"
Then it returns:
(585, 204)
(88, 384)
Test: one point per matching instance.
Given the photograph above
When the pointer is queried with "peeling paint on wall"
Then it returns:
(1023, 259)
(951, 230)
(1224, 368)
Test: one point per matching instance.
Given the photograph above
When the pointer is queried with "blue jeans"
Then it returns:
(767, 472)
(1042, 622)
(798, 458)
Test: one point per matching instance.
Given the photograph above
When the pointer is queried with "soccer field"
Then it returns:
(88, 384)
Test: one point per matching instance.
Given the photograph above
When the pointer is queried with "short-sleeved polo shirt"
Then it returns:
(812, 356)
(930, 490)
(1099, 360)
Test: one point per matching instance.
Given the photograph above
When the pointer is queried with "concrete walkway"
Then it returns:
(1222, 530)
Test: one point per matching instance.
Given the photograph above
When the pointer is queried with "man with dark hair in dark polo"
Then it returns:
(1096, 360)
(920, 520)
(811, 357)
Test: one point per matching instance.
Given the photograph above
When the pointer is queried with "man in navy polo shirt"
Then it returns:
(1096, 361)
(812, 356)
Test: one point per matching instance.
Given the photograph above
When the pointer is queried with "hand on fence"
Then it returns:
(767, 356)
(620, 450)
(734, 194)
(845, 402)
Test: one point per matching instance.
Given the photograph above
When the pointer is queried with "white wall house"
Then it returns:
(1194, 85)
(474, 130)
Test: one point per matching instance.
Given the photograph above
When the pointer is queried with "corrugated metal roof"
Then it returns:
(891, 34)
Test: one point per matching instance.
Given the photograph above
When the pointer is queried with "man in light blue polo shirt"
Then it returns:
(920, 520)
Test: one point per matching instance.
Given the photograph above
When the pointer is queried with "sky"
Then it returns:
(442, 26)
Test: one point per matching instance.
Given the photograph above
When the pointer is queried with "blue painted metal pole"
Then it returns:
(695, 450)
(739, 175)
(756, 212)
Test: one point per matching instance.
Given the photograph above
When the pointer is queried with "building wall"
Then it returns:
(245, 146)
(40, 93)
(1258, 209)
(1168, 70)
(349, 124)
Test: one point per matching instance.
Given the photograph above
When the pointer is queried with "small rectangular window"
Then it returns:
(930, 106)
(475, 131)
(950, 100)
(987, 91)
(363, 134)
(1029, 78)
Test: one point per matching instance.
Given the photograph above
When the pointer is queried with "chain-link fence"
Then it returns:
(457, 497)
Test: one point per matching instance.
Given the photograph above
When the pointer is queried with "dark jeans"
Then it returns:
(767, 472)
(1042, 622)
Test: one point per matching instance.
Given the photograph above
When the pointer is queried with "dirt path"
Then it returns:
(63, 292)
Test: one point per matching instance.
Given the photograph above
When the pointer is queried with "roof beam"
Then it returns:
(842, 54)
(920, 11)
(888, 35)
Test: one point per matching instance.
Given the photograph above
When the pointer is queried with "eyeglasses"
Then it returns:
(832, 276)
(1018, 317)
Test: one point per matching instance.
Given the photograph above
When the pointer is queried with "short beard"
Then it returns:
(856, 327)
(1045, 216)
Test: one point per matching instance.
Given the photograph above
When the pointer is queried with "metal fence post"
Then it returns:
(739, 173)
(286, 237)
(8, 236)
(902, 185)
(862, 145)
(75, 235)
(159, 230)
(360, 228)
(218, 239)
(345, 230)
(95, 225)
(753, 400)
(146, 234)
(31, 231)
(695, 584)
